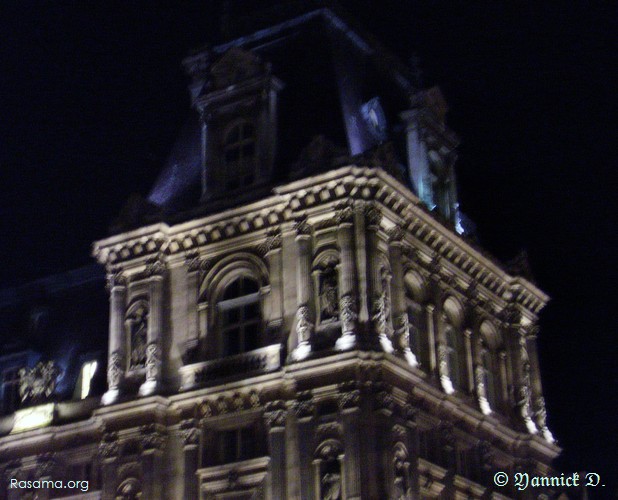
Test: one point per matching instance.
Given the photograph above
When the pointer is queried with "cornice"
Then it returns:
(310, 197)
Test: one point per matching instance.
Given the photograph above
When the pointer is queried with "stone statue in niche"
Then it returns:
(137, 325)
(329, 307)
(331, 486)
(38, 383)
(400, 467)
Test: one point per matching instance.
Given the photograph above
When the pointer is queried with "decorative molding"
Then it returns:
(115, 369)
(302, 227)
(189, 432)
(272, 242)
(115, 279)
(349, 399)
(348, 314)
(275, 414)
(109, 446)
(153, 361)
(304, 326)
(373, 215)
(152, 438)
(39, 383)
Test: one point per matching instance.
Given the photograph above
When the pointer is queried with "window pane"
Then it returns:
(231, 339)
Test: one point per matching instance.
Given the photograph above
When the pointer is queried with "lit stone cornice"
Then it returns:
(314, 197)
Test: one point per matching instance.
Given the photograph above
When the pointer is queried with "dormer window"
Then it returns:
(239, 155)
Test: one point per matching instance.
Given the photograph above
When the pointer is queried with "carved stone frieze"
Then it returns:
(38, 383)
(304, 406)
(381, 314)
(373, 215)
(348, 315)
(304, 326)
(152, 438)
(154, 268)
(195, 263)
(272, 242)
(396, 234)
(109, 446)
(344, 214)
(349, 399)
(115, 279)
(275, 414)
(190, 432)
(153, 361)
(228, 403)
(301, 226)
(402, 332)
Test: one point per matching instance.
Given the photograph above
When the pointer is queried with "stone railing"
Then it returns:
(263, 360)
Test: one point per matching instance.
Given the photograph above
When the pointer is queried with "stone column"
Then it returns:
(117, 341)
(398, 296)
(470, 356)
(304, 411)
(348, 299)
(480, 380)
(276, 416)
(191, 347)
(305, 315)
(272, 252)
(155, 330)
(109, 449)
(441, 348)
(521, 367)
(538, 401)
(190, 434)
(153, 443)
(431, 338)
(378, 295)
(353, 466)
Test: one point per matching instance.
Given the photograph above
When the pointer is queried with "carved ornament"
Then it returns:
(38, 383)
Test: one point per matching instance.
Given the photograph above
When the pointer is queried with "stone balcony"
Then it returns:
(263, 360)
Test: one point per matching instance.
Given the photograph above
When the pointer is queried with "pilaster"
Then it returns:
(117, 341)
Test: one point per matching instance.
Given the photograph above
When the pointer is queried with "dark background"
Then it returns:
(92, 97)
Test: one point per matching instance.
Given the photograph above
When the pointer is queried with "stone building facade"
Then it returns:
(323, 331)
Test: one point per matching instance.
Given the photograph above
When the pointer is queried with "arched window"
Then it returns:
(239, 316)
(239, 156)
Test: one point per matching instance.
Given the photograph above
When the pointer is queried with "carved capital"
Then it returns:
(373, 215)
(154, 268)
(152, 438)
(350, 399)
(303, 408)
(116, 279)
(395, 234)
(109, 447)
(344, 214)
(189, 432)
(195, 264)
(302, 227)
(272, 242)
(276, 414)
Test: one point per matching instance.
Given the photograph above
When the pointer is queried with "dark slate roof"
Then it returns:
(329, 70)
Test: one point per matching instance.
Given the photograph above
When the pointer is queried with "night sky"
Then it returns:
(92, 99)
